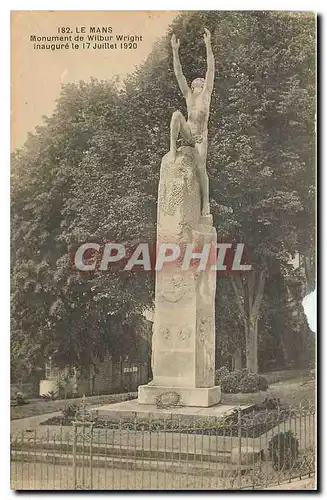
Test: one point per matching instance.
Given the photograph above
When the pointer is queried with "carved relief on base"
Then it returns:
(203, 329)
(184, 333)
(179, 190)
(169, 332)
(165, 332)
(173, 287)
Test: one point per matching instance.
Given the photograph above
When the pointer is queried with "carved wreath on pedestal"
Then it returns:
(168, 399)
(173, 288)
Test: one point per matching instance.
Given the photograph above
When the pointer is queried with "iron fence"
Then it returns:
(245, 449)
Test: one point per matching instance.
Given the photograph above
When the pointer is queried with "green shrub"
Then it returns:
(271, 403)
(240, 381)
(240, 374)
(249, 383)
(229, 384)
(262, 383)
(20, 399)
(52, 395)
(64, 386)
(220, 373)
(252, 382)
(283, 450)
(70, 411)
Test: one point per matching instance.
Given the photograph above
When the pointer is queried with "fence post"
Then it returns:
(91, 457)
(74, 455)
(239, 461)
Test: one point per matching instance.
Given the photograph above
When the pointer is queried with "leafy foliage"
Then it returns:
(249, 383)
(283, 450)
(262, 383)
(70, 411)
(19, 399)
(240, 381)
(51, 395)
(229, 384)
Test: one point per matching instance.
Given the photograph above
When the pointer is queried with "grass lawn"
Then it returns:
(294, 392)
(40, 406)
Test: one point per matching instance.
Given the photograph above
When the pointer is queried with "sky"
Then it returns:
(310, 308)
(37, 75)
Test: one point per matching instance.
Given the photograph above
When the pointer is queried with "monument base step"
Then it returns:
(180, 396)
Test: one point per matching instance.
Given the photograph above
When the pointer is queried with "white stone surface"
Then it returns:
(134, 408)
(201, 396)
(183, 341)
(48, 385)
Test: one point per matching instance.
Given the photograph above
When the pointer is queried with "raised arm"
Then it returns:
(210, 75)
(178, 67)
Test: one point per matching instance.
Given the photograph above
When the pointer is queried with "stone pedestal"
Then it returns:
(183, 342)
(188, 396)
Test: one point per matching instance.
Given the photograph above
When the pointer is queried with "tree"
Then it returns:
(228, 322)
(262, 146)
(284, 340)
(280, 131)
(75, 158)
(261, 135)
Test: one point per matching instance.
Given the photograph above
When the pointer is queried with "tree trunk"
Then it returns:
(309, 268)
(251, 339)
(237, 359)
(284, 350)
(249, 294)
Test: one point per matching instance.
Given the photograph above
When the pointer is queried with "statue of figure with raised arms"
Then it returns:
(195, 130)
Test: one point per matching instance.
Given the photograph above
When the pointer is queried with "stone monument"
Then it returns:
(183, 342)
